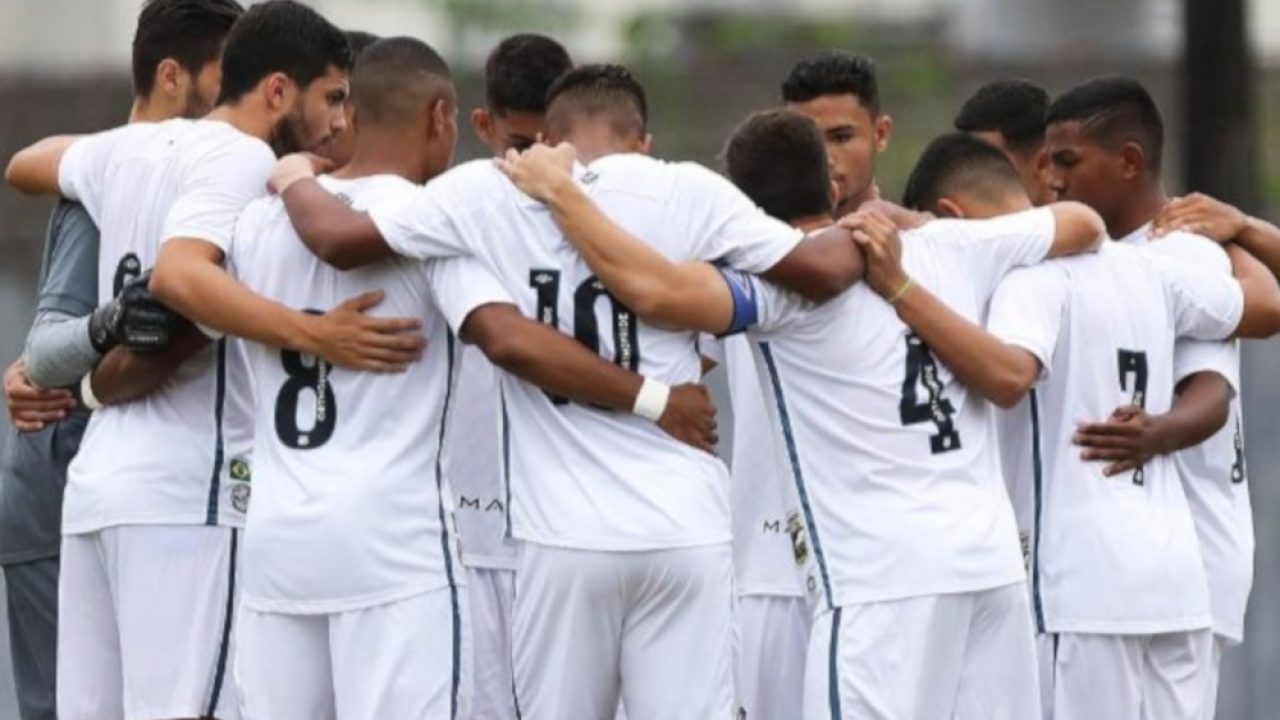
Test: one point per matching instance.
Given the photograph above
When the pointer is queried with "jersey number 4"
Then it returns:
(311, 374)
(586, 329)
(922, 372)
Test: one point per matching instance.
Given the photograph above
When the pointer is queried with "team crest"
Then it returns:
(799, 545)
(240, 487)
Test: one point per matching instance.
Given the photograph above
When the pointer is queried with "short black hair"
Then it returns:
(280, 36)
(593, 90)
(1014, 108)
(833, 73)
(956, 161)
(358, 40)
(189, 31)
(394, 79)
(520, 70)
(778, 159)
(1115, 110)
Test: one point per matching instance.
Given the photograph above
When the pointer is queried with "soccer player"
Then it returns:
(1010, 115)
(916, 563)
(1106, 145)
(517, 74)
(159, 488)
(342, 146)
(625, 568)
(839, 91)
(176, 72)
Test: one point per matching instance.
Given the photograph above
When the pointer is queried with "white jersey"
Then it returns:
(581, 477)
(473, 464)
(1213, 473)
(352, 508)
(1110, 555)
(893, 458)
(180, 455)
(768, 526)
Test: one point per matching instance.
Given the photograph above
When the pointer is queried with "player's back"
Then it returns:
(350, 505)
(893, 457)
(580, 476)
(1118, 554)
(165, 457)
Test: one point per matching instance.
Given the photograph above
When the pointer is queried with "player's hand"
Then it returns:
(540, 170)
(294, 167)
(1200, 214)
(31, 408)
(349, 338)
(690, 417)
(877, 235)
(147, 325)
(1126, 441)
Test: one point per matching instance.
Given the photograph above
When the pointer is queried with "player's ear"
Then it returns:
(645, 146)
(834, 192)
(1133, 160)
(950, 208)
(884, 130)
(439, 116)
(278, 90)
(482, 124)
(170, 77)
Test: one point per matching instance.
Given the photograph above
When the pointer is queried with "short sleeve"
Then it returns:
(69, 282)
(1206, 305)
(989, 249)
(726, 226)
(769, 308)
(214, 191)
(1196, 356)
(460, 285)
(1027, 309)
(711, 348)
(82, 171)
(431, 222)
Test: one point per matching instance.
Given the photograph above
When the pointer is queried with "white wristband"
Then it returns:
(651, 401)
(86, 392)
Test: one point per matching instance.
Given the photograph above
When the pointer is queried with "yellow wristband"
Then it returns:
(894, 298)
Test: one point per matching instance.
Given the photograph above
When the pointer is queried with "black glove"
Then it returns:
(134, 318)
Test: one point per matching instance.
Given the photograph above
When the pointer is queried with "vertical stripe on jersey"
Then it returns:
(793, 455)
(1038, 491)
(456, 680)
(506, 457)
(219, 399)
(833, 674)
(220, 665)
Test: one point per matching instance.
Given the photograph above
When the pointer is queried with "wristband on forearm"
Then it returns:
(651, 401)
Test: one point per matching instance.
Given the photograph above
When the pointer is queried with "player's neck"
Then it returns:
(596, 141)
(148, 110)
(384, 158)
(1143, 208)
(812, 223)
(855, 201)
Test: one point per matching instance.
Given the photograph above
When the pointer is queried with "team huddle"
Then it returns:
(377, 436)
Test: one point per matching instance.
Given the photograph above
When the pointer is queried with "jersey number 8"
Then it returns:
(305, 372)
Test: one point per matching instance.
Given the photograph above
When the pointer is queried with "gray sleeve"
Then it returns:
(58, 350)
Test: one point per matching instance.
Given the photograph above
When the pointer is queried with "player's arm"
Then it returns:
(1221, 222)
(125, 375)
(998, 372)
(818, 268)
(189, 278)
(34, 169)
(338, 234)
(1078, 228)
(1261, 316)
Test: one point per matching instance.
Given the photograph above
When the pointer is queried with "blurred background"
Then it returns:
(1213, 65)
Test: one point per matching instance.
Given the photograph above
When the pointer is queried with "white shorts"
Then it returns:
(493, 683)
(145, 623)
(1131, 677)
(964, 656)
(773, 639)
(1214, 671)
(654, 627)
(408, 660)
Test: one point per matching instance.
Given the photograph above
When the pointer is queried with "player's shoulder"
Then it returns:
(1190, 247)
(363, 192)
(207, 139)
(637, 173)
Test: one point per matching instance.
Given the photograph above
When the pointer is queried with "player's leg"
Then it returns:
(90, 686)
(1176, 679)
(1214, 674)
(677, 646)
(491, 592)
(282, 666)
(32, 590)
(887, 660)
(999, 679)
(1098, 676)
(1046, 650)
(408, 660)
(176, 594)
(773, 638)
(566, 632)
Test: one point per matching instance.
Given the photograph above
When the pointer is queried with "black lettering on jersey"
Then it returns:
(1134, 363)
(772, 526)
(129, 268)
(1238, 468)
(305, 372)
(922, 370)
(466, 502)
(546, 283)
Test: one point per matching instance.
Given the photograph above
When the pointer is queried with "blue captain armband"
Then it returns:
(746, 302)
